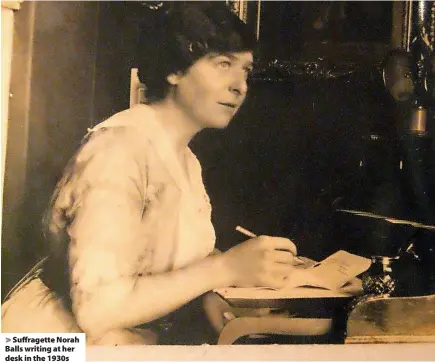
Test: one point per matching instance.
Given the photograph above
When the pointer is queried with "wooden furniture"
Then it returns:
(273, 325)
(296, 317)
(370, 320)
(392, 320)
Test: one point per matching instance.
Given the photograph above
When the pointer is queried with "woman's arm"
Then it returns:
(126, 303)
(252, 263)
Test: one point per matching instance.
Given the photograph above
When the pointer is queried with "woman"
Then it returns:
(131, 218)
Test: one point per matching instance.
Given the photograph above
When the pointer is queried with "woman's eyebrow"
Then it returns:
(231, 56)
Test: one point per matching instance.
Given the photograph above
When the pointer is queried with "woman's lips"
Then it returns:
(229, 105)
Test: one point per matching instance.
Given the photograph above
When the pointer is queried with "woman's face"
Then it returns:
(212, 90)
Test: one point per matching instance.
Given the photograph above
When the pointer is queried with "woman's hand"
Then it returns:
(263, 261)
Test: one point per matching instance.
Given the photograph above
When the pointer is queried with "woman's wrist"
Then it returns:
(221, 274)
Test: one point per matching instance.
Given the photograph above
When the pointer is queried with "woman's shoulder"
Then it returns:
(113, 145)
(126, 122)
(125, 131)
(131, 117)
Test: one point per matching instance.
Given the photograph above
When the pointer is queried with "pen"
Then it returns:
(245, 232)
(252, 235)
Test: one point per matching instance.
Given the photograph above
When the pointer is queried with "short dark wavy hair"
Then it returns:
(174, 35)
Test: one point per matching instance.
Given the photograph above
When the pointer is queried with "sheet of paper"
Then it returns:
(332, 273)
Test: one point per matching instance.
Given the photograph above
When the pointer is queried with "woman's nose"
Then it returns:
(239, 85)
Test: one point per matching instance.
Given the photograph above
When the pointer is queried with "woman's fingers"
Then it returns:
(277, 276)
(274, 282)
(280, 270)
(283, 257)
(278, 243)
(261, 261)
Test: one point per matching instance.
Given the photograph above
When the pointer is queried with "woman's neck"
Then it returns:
(179, 127)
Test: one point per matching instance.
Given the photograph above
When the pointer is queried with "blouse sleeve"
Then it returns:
(101, 197)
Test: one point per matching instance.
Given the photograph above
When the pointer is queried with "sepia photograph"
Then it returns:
(220, 173)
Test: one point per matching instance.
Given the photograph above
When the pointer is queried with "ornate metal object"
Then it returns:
(379, 279)
(321, 68)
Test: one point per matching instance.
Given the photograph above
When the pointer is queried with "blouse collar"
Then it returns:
(163, 145)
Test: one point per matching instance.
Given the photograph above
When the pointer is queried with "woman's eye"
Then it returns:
(224, 64)
(248, 70)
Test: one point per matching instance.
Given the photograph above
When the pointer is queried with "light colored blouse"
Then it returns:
(128, 208)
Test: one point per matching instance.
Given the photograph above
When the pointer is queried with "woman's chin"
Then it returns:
(221, 124)
(218, 125)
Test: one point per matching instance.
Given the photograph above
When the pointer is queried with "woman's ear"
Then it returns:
(174, 78)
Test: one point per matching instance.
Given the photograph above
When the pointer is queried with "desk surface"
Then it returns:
(392, 320)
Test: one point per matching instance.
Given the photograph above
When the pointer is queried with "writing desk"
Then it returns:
(304, 312)
(392, 320)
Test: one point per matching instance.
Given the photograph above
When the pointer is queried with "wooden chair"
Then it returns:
(231, 323)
